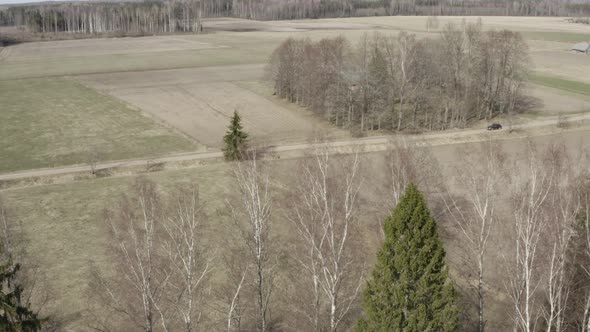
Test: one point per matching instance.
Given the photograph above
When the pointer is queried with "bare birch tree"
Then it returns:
(563, 209)
(233, 313)
(408, 162)
(568, 258)
(480, 178)
(405, 62)
(530, 219)
(584, 221)
(190, 265)
(137, 291)
(253, 182)
(324, 215)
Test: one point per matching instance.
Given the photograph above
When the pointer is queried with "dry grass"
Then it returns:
(554, 100)
(54, 122)
(105, 46)
(200, 102)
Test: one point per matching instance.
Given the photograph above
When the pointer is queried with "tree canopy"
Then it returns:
(14, 314)
(410, 289)
(235, 140)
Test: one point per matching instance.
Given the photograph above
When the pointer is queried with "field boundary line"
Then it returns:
(288, 151)
(122, 71)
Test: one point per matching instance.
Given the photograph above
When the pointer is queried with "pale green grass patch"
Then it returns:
(561, 84)
(54, 122)
(565, 37)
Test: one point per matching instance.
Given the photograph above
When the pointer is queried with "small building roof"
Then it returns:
(581, 47)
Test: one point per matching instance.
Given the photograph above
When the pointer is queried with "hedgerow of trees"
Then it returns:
(399, 82)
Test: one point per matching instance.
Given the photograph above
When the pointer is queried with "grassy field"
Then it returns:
(564, 37)
(70, 62)
(562, 84)
(51, 122)
(192, 82)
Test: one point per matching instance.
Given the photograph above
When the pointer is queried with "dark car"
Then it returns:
(494, 126)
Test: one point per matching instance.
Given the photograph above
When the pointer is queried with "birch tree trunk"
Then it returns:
(324, 216)
(190, 264)
(481, 177)
(254, 186)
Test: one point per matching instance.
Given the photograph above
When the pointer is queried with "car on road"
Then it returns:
(495, 126)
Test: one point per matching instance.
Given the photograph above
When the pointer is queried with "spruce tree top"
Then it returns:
(409, 289)
(235, 139)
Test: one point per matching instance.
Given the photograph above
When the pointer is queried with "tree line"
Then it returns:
(398, 82)
(184, 15)
(104, 17)
(277, 10)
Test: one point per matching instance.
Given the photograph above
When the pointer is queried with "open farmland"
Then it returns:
(194, 82)
(200, 101)
(82, 101)
(55, 122)
(105, 46)
(225, 64)
(557, 99)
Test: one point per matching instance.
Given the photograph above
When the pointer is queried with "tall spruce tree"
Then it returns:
(235, 139)
(410, 289)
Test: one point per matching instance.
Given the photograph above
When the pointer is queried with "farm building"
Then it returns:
(581, 48)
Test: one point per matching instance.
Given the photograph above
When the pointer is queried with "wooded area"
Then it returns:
(291, 9)
(185, 15)
(399, 82)
(299, 261)
(89, 18)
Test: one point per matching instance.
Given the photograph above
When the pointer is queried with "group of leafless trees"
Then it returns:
(108, 17)
(161, 271)
(184, 15)
(398, 82)
(285, 253)
(535, 213)
(163, 274)
(550, 219)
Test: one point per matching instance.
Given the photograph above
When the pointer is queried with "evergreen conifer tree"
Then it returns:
(235, 139)
(410, 289)
(14, 315)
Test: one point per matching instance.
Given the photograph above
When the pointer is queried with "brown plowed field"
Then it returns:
(200, 102)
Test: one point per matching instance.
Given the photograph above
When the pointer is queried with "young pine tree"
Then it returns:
(235, 139)
(410, 289)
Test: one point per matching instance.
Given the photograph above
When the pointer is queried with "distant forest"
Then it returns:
(185, 15)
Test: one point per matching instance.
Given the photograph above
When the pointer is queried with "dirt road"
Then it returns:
(579, 122)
